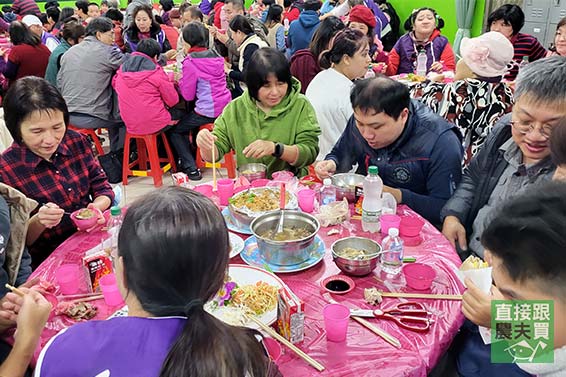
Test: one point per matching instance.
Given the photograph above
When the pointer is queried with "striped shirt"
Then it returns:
(524, 45)
(23, 7)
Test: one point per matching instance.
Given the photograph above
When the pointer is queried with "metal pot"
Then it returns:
(345, 184)
(285, 253)
(253, 171)
(356, 267)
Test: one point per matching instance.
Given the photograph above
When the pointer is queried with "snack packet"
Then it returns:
(333, 213)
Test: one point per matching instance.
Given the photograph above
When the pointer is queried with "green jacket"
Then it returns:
(55, 62)
(291, 122)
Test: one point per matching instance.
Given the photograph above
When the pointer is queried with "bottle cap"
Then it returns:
(373, 170)
(393, 232)
(115, 211)
(327, 182)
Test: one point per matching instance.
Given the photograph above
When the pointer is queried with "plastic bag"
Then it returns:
(333, 213)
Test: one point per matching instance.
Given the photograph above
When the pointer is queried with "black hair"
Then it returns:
(20, 34)
(150, 47)
(264, 62)
(99, 24)
(195, 12)
(133, 29)
(187, 261)
(114, 14)
(7, 9)
(184, 7)
(558, 142)
(66, 12)
(346, 42)
(380, 95)
(92, 3)
(410, 22)
(196, 34)
(167, 5)
(241, 23)
(82, 5)
(43, 18)
(324, 34)
(274, 14)
(51, 4)
(312, 5)
(528, 235)
(73, 30)
(28, 95)
(560, 24)
(54, 13)
(104, 2)
(268, 3)
(510, 14)
(239, 4)
(287, 3)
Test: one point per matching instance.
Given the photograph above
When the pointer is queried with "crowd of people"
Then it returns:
(298, 86)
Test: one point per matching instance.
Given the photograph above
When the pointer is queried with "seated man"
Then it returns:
(558, 149)
(419, 154)
(516, 155)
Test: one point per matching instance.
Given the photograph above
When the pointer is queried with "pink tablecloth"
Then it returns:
(363, 354)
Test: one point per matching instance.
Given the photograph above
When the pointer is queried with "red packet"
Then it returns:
(290, 316)
(181, 179)
(97, 265)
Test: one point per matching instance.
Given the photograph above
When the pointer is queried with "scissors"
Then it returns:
(409, 315)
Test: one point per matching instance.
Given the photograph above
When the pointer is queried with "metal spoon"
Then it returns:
(282, 208)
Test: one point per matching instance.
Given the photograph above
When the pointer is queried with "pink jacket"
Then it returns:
(144, 94)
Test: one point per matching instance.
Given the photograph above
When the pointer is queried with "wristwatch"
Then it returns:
(278, 150)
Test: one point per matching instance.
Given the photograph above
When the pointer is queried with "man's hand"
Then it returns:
(259, 149)
(205, 140)
(32, 316)
(325, 169)
(436, 67)
(476, 305)
(454, 231)
(171, 54)
(50, 215)
(10, 305)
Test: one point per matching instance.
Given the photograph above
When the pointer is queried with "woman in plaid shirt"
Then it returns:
(49, 163)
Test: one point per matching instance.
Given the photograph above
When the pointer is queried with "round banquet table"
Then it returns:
(363, 353)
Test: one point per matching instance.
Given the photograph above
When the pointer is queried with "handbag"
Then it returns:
(111, 163)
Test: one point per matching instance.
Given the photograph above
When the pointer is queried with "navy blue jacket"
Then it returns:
(301, 31)
(425, 162)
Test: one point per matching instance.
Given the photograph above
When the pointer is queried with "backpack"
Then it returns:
(259, 28)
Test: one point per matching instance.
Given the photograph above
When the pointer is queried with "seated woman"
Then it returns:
(73, 33)
(203, 83)
(508, 20)
(28, 56)
(423, 27)
(276, 30)
(559, 45)
(144, 26)
(362, 19)
(50, 164)
(173, 334)
(271, 123)
(305, 63)
(347, 60)
(248, 42)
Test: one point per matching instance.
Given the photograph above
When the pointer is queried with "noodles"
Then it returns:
(288, 234)
(351, 253)
(258, 200)
(259, 298)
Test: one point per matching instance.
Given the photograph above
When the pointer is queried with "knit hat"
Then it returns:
(487, 55)
(362, 14)
(30, 20)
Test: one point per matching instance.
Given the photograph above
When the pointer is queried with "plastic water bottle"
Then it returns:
(372, 204)
(421, 63)
(286, 25)
(114, 224)
(523, 63)
(392, 256)
(327, 192)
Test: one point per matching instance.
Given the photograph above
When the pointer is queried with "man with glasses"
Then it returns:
(515, 156)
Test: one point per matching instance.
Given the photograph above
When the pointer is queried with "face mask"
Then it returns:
(556, 369)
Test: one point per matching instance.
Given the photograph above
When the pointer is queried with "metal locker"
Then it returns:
(536, 29)
(557, 10)
(536, 10)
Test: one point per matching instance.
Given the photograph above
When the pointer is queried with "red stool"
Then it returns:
(229, 160)
(92, 133)
(147, 149)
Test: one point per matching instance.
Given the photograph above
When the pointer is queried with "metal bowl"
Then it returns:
(285, 253)
(345, 184)
(356, 267)
(244, 217)
(253, 171)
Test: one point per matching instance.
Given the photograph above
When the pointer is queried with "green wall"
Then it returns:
(445, 9)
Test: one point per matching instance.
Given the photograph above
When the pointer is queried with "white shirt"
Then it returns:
(329, 94)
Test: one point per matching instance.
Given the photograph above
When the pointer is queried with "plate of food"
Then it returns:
(247, 290)
(236, 244)
(249, 204)
(409, 78)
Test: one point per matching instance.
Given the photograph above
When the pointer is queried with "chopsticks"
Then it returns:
(17, 291)
(318, 366)
(214, 188)
(421, 295)
(388, 338)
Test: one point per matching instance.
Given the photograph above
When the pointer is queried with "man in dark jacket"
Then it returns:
(515, 156)
(301, 30)
(419, 154)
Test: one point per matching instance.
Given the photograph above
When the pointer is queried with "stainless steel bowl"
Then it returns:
(356, 267)
(253, 171)
(244, 217)
(345, 184)
(285, 253)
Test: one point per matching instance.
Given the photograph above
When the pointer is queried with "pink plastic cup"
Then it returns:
(67, 276)
(206, 190)
(273, 348)
(336, 317)
(410, 226)
(225, 189)
(306, 200)
(110, 290)
(419, 276)
(389, 221)
(261, 182)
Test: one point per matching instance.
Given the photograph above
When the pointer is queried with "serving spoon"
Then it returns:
(282, 208)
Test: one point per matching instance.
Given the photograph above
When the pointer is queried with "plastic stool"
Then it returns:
(229, 158)
(92, 133)
(147, 150)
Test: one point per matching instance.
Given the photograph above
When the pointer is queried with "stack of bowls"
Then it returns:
(253, 171)
(356, 266)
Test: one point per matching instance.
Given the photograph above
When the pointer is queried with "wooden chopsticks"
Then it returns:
(422, 295)
(17, 291)
(388, 338)
(214, 188)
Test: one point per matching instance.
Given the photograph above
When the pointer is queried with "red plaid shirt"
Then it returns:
(72, 180)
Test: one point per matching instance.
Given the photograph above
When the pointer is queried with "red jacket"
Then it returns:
(172, 35)
(217, 9)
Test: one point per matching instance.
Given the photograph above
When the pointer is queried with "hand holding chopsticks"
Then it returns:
(17, 291)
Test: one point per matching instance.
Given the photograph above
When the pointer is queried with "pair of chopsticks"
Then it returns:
(421, 295)
(65, 212)
(318, 366)
(214, 188)
(17, 291)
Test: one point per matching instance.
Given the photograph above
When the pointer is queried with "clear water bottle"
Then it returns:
(372, 204)
(114, 224)
(327, 192)
(286, 25)
(392, 256)
(523, 63)
(421, 63)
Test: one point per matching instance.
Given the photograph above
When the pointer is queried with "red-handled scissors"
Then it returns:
(409, 315)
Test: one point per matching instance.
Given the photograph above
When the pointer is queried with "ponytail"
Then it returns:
(346, 42)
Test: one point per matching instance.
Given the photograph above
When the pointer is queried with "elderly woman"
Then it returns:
(144, 26)
(271, 123)
(559, 45)
(49, 164)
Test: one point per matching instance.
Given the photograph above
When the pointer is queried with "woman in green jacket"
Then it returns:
(271, 123)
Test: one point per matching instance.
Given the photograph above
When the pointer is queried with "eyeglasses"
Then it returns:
(524, 128)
